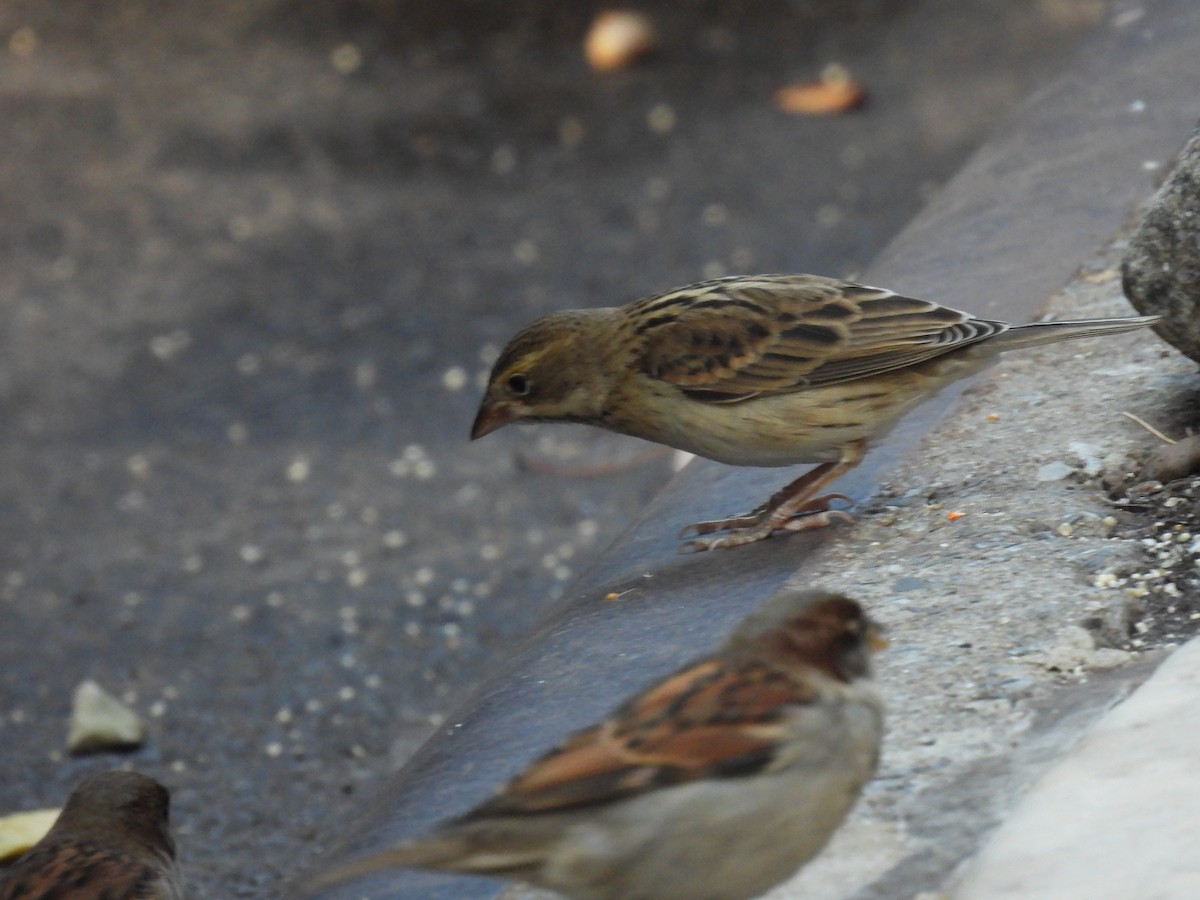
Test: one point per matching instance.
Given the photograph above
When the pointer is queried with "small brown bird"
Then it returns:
(112, 841)
(764, 370)
(716, 783)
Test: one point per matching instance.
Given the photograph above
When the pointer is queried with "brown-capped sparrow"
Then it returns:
(763, 370)
(112, 841)
(716, 783)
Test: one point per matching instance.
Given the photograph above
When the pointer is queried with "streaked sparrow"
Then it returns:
(716, 783)
(112, 841)
(764, 370)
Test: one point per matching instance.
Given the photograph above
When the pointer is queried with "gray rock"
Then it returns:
(1090, 457)
(1112, 623)
(1161, 269)
(1172, 461)
(1054, 471)
(1076, 650)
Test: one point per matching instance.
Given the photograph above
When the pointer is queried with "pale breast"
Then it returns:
(803, 426)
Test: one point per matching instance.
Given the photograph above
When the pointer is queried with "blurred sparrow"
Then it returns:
(765, 370)
(111, 842)
(714, 784)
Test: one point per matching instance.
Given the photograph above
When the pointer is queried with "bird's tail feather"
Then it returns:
(448, 850)
(1035, 333)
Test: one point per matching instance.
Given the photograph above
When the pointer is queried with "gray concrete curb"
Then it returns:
(1117, 816)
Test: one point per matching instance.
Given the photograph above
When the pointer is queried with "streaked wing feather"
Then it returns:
(712, 719)
(733, 338)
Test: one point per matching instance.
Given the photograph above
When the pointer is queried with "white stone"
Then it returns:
(99, 721)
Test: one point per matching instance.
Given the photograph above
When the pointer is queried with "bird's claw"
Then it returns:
(813, 514)
(732, 523)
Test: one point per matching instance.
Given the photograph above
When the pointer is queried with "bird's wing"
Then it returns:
(718, 718)
(733, 338)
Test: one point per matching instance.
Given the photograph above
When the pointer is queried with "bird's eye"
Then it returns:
(519, 384)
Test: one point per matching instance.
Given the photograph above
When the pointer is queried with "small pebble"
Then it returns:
(1172, 461)
(298, 470)
(661, 119)
(1090, 455)
(346, 59)
(454, 378)
(1054, 471)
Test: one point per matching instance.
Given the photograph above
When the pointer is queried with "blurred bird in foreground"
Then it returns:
(716, 783)
(112, 841)
(764, 370)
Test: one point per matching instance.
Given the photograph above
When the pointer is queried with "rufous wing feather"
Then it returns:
(717, 718)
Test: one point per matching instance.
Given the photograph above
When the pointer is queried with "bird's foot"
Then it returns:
(733, 523)
(764, 522)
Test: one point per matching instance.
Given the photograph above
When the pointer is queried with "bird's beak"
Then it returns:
(490, 417)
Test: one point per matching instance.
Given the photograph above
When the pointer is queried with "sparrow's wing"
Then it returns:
(733, 338)
(82, 870)
(718, 718)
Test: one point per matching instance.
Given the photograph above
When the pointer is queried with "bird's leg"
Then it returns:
(801, 485)
(793, 508)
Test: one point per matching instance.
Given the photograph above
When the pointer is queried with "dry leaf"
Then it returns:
(836, 92)
(617, 38)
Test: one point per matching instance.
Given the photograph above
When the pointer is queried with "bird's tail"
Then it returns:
(1035, 333)
(452, 849)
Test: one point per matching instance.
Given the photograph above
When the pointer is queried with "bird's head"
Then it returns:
(551, 371)
(813, 628)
